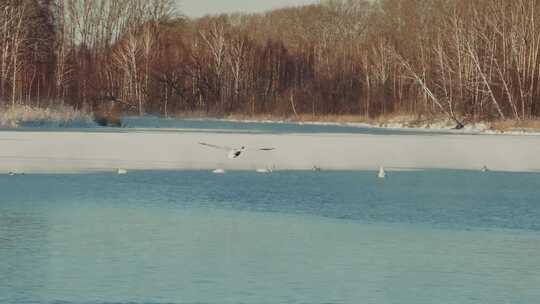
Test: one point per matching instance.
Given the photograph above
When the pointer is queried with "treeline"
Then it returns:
(466, 60)
(79, 52)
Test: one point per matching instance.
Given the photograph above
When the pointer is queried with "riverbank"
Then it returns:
(59, 117)
(68, 117)
(395, 122)
(76, 151)
(436, 124)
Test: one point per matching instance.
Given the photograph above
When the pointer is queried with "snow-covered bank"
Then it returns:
(264, 125)
(90, 151)
(436, 126)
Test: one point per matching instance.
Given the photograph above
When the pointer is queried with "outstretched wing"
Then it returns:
(267, 149)
(216, 147)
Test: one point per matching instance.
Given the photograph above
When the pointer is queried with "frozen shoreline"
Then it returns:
(434, 127)
(75, 151)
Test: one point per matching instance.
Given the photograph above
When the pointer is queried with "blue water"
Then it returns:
(194, 125)
(443, 199)
(138, 124)
(287, 237)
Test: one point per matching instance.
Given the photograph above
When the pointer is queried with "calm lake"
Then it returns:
(287, 237)
(134, 124)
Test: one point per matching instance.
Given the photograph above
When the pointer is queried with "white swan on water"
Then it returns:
(382, 173)
(233, 153)
(265, 170)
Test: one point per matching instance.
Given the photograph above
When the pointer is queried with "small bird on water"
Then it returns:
(265, 170)
(382, 173)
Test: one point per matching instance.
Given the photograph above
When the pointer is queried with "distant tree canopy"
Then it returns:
(467, 60)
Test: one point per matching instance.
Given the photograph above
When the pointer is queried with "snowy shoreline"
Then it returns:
(433, 127)
(51, 151)
(403, 124)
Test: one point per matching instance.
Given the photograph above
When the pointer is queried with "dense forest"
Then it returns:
(465, 60)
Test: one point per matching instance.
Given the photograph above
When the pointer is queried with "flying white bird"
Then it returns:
(233, 152)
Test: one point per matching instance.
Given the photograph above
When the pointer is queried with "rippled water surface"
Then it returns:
(287, 237)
